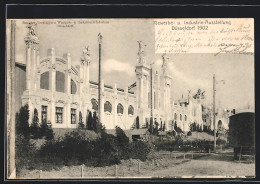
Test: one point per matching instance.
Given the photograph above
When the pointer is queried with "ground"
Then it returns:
(166, 165)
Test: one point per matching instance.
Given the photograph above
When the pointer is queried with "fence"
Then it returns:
(131, 167)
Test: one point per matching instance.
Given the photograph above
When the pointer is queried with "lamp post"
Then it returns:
(99, 75)
(151, 91)
(213, 109)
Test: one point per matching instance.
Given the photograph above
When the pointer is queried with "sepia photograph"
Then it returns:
(130, 98)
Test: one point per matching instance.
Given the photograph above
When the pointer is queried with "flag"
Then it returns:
(132, 86)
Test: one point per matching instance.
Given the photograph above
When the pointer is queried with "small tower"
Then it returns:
(166, 90)
(143, 84)
(32, 42)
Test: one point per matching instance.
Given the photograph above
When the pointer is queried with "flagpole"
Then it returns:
(99, 75)
(214, 123)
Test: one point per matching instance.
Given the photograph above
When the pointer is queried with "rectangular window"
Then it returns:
(73, 116)
(59, 111)
(44, 113)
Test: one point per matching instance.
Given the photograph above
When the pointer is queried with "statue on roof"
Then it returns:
(141, 52)
(165, 63)
(31, 29)
(85, 54)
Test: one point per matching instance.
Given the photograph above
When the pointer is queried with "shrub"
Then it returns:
(24, 150)
(80, 124)
(90, 121)
(221, 141)
(22, 124)
(46, 130)
(189, 133)
(139, 150)
(34, 128)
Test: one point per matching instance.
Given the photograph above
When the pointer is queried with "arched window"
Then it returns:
(185, 118)
(94, 104)
(73, 87)
(44, 81)
(120, 109)
(60, 81)
(175, 116)
(107, 107)
(180, 117)
(130, 110)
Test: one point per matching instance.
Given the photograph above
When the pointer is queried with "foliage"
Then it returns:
(22, 124)
(139, 150)
(194, 127)
(137, 123)
(81, 124)
(180, 145)
(46, 130)
(76, 148)
(90, 121)
(123, 143)
(189, 133)
(177, 129)
(24, 150)
(34, 128)
(171, 133)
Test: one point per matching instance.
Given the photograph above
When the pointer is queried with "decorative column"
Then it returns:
(31, 41)
(115, 105)
(68, 77)
(68, 118)
(101, 107)
(52, 83)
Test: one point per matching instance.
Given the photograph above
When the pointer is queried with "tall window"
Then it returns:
(180, 117)
(59, 111)
(130, 110)
(175, 116)
(44, 81)
(120, 109)
(73, 116)
(73, 87)
(44, 113)
(185, 118)
(94, 104)
(107, 107)
(60, 81)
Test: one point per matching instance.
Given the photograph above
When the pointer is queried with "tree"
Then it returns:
(95, 121)
(137, 123)
(164, 126)
(90, 121)
(81, 124)
(97, 125)
(151, 125)
(22, 125)
(46, 131)
(34, 128)
(123, 142)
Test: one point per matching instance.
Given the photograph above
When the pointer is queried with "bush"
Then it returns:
(221, 141)
(22, 124)
(24, 150)
(34, 128)
(189, 133)
(139, 150)
(80, 124)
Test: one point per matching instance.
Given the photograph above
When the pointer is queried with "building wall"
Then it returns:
(46, 86)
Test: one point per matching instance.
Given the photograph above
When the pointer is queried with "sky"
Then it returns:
(119, 58)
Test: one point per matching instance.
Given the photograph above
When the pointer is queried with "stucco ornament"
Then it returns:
(141, 52)
(85, 55)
